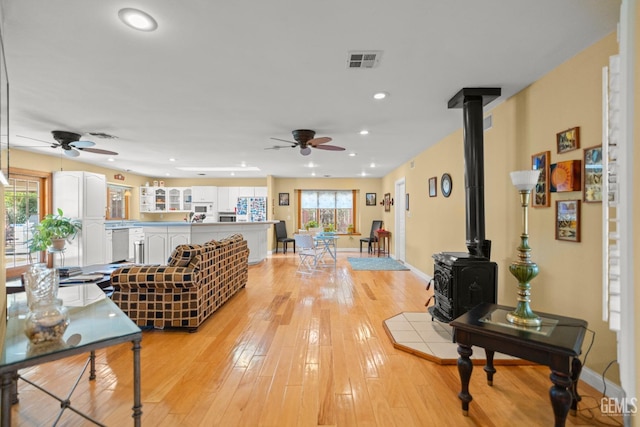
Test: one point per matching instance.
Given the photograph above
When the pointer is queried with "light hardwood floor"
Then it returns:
(294, 350)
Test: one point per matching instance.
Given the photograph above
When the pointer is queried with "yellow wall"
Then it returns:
(636, 201)
(365, 214)
(569, 282)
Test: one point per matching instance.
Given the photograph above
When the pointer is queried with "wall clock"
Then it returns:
(445, 184)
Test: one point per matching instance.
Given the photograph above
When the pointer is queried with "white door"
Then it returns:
(399, 235)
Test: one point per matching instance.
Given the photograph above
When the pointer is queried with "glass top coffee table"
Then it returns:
(95, 322)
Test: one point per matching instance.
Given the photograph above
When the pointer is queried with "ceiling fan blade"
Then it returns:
(98, 151)
(82, 144)
(329, 147)
(71, 153)
(277, 147)
(317, 141)
(34, 139)
(293, 144)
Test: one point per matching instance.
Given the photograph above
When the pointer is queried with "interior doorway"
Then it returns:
(25, 201)
(400, 211)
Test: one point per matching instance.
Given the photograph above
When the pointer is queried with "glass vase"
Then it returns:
(47, 319)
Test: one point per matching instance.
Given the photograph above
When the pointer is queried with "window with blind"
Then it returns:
(330, 209)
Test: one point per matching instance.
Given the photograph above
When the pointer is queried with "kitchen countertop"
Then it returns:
(119, 225)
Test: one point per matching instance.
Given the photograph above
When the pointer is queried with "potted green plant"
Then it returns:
(53, 231)
(351, 229)
(311, 224)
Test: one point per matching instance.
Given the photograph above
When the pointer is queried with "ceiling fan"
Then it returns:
(305, 139)
(71, 143)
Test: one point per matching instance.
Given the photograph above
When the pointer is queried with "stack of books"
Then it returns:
(69, 271)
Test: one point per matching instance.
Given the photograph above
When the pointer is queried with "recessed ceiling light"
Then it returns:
(380, 95)
(364, 132)
(313, 174)
(352, 154)
(243, 164)
(363, 174)
(167, 174)
(233, 174)
(137, 19)
(310, 165)
(111, 159)
(172, 159)
(372, 165)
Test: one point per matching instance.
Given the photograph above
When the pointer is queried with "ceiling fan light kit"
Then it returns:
(305, 139)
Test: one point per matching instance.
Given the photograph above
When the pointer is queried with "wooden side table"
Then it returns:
(556, 343)
(383, 241)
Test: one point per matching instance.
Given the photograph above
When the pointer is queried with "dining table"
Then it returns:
(328, 242)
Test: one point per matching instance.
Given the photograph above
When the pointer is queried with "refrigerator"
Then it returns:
(251, 209)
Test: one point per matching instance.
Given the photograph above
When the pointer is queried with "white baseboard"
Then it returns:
(594, 379)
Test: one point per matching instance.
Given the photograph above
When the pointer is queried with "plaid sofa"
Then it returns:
(196, 281)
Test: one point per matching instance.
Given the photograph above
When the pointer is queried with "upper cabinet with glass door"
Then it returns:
(165, 199)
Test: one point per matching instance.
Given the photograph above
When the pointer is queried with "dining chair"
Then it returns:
(309, 253)
(372, 235)
(281, 237)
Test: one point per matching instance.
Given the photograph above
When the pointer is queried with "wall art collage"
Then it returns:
(566, 176)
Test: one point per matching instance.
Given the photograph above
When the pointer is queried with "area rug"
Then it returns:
(376, 264)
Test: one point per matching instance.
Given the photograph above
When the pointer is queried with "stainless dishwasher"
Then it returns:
(120, 245)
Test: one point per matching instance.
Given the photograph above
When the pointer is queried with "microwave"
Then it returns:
(202, 208)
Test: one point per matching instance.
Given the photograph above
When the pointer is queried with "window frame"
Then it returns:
(354, 199)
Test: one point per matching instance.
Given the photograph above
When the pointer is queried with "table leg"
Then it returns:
(465, 367)
(137, 401)
(488, 367)
(576, 368)
(7, 379)
(561, 397)
(92, 369)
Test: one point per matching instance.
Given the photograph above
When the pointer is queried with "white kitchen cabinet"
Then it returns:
(165, 199)
(187, 196)
(83, 195)
(108, 247)
(160, 241)
(147, 199)
(260, 191)
(204, 194)
(227, 199)
(246, 191)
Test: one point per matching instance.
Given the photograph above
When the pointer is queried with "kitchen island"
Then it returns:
(255, 233)
(162, 237)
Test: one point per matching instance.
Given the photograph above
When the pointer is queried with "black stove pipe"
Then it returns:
(472, 100)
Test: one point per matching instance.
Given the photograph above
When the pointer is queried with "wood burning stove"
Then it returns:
(464, 280)
(460, 282)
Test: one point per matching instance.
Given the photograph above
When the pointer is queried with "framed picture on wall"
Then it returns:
(387, 202)
(371, 199)
(283, 199)
(592, 189)
(568, 140)
(540, 161)
(565, 176)
(433, 186)
(568, 220)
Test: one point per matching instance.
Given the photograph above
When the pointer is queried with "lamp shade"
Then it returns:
(525, 180)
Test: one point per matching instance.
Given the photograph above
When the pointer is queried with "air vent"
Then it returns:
(487, 122)
(364, 59)
(412, 164)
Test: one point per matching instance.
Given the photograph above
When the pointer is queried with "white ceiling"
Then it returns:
(217, 79)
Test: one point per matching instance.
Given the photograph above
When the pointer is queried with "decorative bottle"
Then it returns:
(47, 319)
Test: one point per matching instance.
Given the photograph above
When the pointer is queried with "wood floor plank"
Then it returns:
(300, 351)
